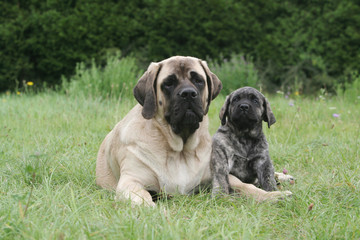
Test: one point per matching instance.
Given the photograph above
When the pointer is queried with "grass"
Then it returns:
(48, 147)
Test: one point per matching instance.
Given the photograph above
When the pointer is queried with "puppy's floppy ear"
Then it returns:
(268, 115)
(224, 112)
(213, 83)
(145, 90)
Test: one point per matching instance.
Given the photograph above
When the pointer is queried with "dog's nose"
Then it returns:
(188, 93)
(244, 106)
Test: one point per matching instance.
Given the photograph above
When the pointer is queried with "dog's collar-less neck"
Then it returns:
(248, 133)
(176, 143)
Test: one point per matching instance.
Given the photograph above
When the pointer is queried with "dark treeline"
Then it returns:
(311, 44)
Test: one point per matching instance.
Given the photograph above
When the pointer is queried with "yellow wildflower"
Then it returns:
(297, 93)
(18, 93)
(30, 83)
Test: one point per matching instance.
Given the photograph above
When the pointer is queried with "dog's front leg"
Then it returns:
(250, 190)
(129, 188)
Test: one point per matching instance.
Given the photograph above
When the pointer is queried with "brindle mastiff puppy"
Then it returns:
(163, 143)
(239, 146)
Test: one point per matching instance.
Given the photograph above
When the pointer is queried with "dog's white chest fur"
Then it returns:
(178, 172)
(183, 175)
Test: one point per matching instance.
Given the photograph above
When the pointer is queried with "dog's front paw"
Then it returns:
(135, 200)
(275, 196)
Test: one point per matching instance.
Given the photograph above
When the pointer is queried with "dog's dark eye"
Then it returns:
(169, 81)
(197, 79)
(255, 100)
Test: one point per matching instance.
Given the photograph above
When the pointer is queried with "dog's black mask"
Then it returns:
(185, 110)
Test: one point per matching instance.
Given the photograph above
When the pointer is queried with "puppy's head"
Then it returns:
(178, 89)
(246, 108)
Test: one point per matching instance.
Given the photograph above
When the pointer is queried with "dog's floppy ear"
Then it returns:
(268, 114)
(145, 90)
(224, 112)
(213, 83)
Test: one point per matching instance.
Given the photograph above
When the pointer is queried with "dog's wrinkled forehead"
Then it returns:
(247, 93)
(181, 67)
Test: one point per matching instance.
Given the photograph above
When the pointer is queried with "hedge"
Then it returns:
(309, 44)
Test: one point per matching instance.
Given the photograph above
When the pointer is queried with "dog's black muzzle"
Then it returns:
(188, 94)
(185, 111)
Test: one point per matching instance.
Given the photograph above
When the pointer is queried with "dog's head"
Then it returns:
(180, 90)
(246, 108)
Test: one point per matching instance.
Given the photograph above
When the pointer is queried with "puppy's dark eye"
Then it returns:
(236, 99)
(254, 99)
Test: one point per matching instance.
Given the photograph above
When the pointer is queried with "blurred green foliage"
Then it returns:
(115, 80)
(293, 44)
(235, 72)
(350, 91)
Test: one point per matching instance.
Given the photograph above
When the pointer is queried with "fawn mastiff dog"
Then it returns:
(163, 143)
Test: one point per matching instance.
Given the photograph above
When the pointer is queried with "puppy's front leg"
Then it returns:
(265, 173)
(129, 188)
(220, 184)
(250, 190)
(219, 171)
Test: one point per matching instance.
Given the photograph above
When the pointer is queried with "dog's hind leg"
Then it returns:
(104, 176)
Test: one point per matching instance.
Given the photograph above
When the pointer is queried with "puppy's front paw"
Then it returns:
(218, 193)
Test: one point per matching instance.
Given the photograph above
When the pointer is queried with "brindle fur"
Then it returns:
(239, 146)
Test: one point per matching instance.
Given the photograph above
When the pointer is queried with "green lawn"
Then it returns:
(48, 147)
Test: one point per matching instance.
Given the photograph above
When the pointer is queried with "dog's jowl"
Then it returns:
(239, 146)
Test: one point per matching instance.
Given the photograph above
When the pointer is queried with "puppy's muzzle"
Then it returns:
(244, 107)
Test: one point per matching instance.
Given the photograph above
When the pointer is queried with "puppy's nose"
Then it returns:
(244, 106)
(188, 93)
